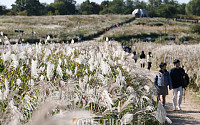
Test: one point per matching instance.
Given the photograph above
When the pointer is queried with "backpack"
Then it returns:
(186, 81)
(160, 79)
(134, 57)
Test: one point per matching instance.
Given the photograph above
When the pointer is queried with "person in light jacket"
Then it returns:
(162, 81)
(149, 56)
(135, 56)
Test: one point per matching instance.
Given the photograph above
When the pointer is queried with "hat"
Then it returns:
(176, 61)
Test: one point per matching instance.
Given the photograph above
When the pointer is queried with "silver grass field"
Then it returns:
(188, 55)
(68, 84)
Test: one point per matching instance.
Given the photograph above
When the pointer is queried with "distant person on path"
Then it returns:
(142, 61)
(177, 76)
(149, 56)
(135, 56)
(163, 80)
(123, 45)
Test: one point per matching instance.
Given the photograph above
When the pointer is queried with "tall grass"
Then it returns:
(61, 84)
(188, 55)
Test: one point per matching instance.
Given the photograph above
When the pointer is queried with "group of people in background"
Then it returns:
(143, 59)
(174, 79)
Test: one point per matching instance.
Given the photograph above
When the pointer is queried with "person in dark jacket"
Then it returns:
(163, 80)
(177, 77)
(142, 61)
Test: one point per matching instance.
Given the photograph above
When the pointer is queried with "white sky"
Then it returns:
(8, 3)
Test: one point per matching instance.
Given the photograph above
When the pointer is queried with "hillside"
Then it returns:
(59, 27)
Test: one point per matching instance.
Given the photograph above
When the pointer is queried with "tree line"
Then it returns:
(155, 8)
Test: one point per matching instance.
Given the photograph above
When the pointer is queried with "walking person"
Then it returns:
(135, 56)
(149, 56)
(177, 77)
(162, 81)
(142, 61)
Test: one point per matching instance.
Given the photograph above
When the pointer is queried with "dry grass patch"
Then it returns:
(154, 27)
(57, 25)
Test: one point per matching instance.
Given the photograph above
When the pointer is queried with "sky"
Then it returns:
(8, 3)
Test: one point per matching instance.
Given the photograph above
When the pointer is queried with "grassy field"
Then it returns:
(60, 27)
(156, 28)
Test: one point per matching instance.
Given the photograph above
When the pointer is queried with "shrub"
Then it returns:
(11, 13)
(23, 13)
(186, 38)
(2, 67)
(195, 28)
(50, 13)
(156, 24)
(57, 12)
(85, 13)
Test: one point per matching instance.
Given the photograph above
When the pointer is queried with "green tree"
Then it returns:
(166, 11)
(105, 7)
(43, 10)
(66, 1)
(19, 5)
(62, 7)
(173, 2)
(181, 8)
(129, 7)
(193, 8)
(155, 3)
(151, 3)
(152, 12)
(139, 4)
(58, 8)
(70, 5)
(85, 8)
(88, 7)
(159, 2)
(33, 7)
(166, 1)
(105, 3)
(117, 7)
(3, 10)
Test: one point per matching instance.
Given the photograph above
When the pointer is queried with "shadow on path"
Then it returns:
(189, 115)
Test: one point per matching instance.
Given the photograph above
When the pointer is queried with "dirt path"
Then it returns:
(99, 38)
(190, 113)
